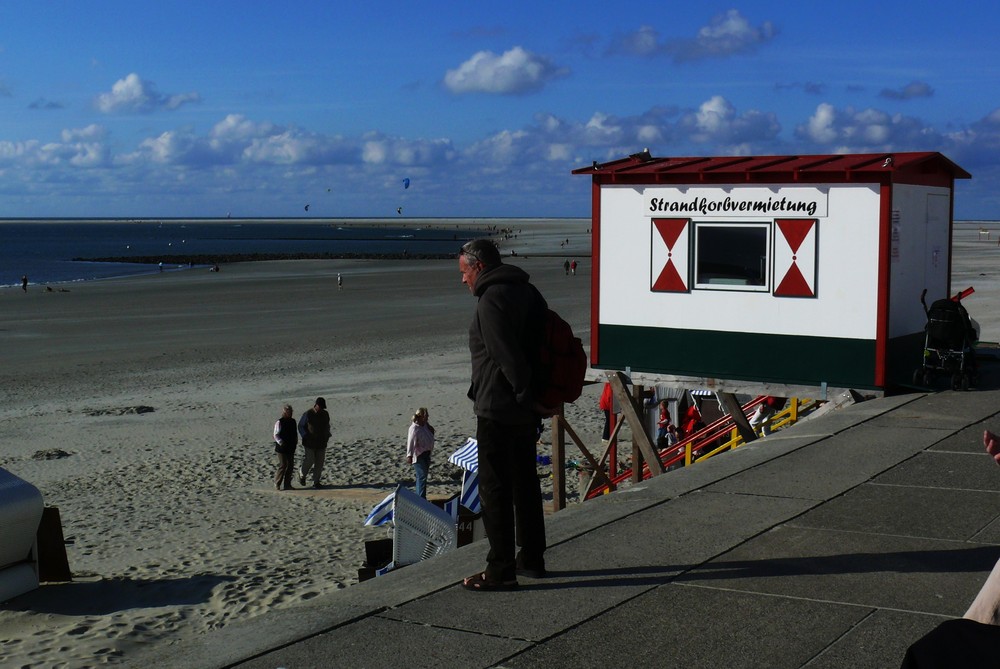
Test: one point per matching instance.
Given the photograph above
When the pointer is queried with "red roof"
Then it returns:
(923, 168)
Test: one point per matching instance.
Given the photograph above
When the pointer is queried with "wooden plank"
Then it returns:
(636, 451)
(558, 462)
(732, 407)
(598, 466)
(631, 414)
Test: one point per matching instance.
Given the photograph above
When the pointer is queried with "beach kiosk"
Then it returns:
(783, 275)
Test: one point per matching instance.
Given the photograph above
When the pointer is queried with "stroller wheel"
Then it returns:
(956, 381)
(965, 382)
(917, 376)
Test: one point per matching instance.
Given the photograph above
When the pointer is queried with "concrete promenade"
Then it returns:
(834, 543)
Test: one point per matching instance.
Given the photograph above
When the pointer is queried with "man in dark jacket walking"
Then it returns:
(505, 331)
(314, 426)
(285, 441)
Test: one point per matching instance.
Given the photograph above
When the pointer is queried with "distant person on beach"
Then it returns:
(505, 329)
(314, 428)
(24, 283)
(161, 266)
(419, 444)
(972, 641)
(566, 267)
(286, 438)
(572, 267)
(340, 281)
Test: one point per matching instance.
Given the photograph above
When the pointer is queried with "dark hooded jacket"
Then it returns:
(505, 333)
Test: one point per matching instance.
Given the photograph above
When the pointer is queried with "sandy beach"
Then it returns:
(143, 408)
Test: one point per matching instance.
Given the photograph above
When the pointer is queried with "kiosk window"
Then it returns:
(732, 256)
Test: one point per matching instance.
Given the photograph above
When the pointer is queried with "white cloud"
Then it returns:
(92, 131)
(717, 122)
(168, 147)
(977, 145)
(728, 34)
(16, 151)
(725, 35)
(820, 126)
(135, 95)
(378, 149)
(78, 148)
(716, 126)
(643, 42)
(515, 72)
(914, 89)
(869, 130)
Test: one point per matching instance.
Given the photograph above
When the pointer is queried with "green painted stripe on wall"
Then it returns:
(845, 363)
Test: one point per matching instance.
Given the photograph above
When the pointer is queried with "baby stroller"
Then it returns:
(948, 343)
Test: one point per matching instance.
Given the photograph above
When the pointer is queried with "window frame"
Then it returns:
(768, 258)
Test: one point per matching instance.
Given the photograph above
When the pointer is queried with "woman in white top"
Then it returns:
(419, 443)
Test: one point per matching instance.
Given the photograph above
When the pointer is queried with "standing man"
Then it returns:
(24, 282)
(506, 329)
(285, 441)
(314, 426)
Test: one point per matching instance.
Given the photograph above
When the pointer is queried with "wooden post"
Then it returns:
(53, 566)
(637, 459)
(735, 411)
(631, 416)
(613, 441)
(558, 462)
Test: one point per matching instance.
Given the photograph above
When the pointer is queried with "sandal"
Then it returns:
(481, 583)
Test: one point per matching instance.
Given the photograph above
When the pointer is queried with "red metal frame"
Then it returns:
(672, 455)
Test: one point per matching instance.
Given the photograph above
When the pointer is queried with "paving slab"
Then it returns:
(877, 642)
(951, 410)
(377, 642)
(969, 439)
(937, 469)
(826, 468)
(872, 570)
(958, 515)
(694, 627)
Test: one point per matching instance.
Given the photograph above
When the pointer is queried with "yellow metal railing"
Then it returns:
(787, 416)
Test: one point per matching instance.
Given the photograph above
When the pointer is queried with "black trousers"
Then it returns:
(511, 497)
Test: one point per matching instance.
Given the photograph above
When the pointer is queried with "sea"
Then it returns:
(52, 251)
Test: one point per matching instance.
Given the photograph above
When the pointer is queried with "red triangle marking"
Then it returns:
(795, 231)
(669, 279)
(794, 284)
(670, 229)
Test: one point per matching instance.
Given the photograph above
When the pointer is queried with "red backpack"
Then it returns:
(562, 364)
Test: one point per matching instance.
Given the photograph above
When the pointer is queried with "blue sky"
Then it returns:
(173, 109)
